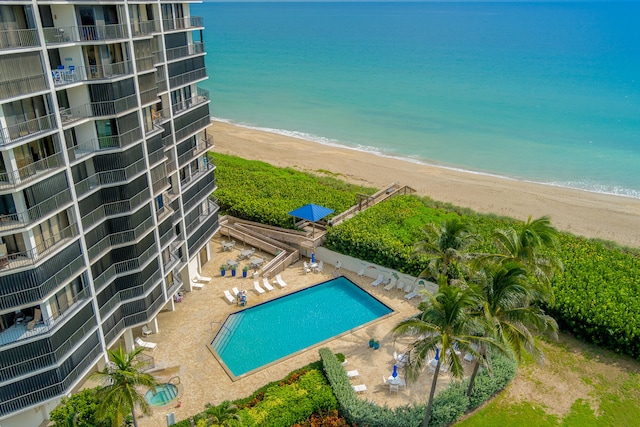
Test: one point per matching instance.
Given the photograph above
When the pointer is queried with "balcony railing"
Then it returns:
(93, 72)
(144, 28)
(84, 33)
(27, 173)
(98, 109)
(144, 63)
(200, 148)
(46, 207)
(167, 237)
(200, 195)
(202, 216)
(121, 238)
(27, 129)
(182, 23)
(105, 143)
(23, 86)
(191, 129)
(115, 208)
(123, 267)
(187, 78)
(116, 176)
(31, 257)
(195, 175)
(173, 287)
(130, 293)
(185, 51)
(201, 98)
(14, 39)
(148, 96)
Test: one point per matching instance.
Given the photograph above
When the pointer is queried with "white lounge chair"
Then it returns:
(235, 291)
(400, 285)
(229, 297)
(196, 285)
(378, 280)
(353, 374)
(391, 285)
(146, 331)
(198, 278)
(280, 281)
(361, 272)
(360, 388)
(257, 287)
(145, 344)
(266, 284)
(412, 294)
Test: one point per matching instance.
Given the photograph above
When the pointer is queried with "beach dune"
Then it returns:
(580, 212)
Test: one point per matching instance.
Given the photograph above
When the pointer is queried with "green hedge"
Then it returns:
(448, 405)
(597, 297)
(283, 403)
(260, 192)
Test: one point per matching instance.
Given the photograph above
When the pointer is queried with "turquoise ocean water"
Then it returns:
(547, 92)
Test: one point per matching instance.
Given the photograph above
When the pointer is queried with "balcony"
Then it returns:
(195, 175)
(192, 128)
(187, 78)
(103, 143)
(156, 157)
(29, 172)
(207, 190)
(202, 216)
(73, 74)
(185, 51)
(123, 267)
(31, 257)
(28, 129)
(46, 207)
(115, 208)
(194, 152)
(20, 331)
(116, 176)
(167, 237)
(129, 294)
(149, 96)
(98, 109)
(144, 28)
(85, 33)
(184, 23)
(23, 86)
(203, 233)
(144, 64)
(117, 239)
(174, 286)
(19, 38)
(202, 97)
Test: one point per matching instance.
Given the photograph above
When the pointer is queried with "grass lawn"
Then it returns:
(579, 385)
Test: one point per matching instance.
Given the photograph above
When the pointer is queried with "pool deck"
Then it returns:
(185, 334)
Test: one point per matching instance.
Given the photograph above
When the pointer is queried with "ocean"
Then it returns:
(544, 92)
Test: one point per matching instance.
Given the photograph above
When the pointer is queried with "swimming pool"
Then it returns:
(272, 330)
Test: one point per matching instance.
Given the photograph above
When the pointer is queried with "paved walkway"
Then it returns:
(184, 336)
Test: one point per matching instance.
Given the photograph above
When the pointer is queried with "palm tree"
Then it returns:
(221, 414)
(525, 246)
(445, 320)
(509, 310)
(446, 247)
(122, 378)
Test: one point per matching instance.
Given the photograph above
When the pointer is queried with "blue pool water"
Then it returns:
(270, 331)
(164, 394)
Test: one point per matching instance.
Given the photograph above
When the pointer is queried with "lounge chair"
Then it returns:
(229, 297)
(235, 291)
(400, 285)
(197, 285)
(198, 278)
(360, 388)
(257, 287)
(378, 280)
(266, 284)
(146, 331)
(353, 374)
(280, 281)
(361, 272)
(391, 285)
(37, 317)
(412, 294)
(145, 344)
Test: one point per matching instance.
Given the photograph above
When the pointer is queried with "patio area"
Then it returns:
(184, 336)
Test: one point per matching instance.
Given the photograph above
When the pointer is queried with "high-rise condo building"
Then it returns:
(105, 209)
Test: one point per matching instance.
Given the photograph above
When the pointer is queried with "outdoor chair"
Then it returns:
(145, 344)
(391, 285)
(280, 281)
(146, 331)
(266, 284)
(198, 278)
(360, 388)
(229, 297)
(353, 374)
(361, 272)
(378, 280)
(256, 286)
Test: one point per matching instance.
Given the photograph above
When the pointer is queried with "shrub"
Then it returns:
(82, 406)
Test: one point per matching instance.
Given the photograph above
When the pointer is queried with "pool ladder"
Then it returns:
(177, 378)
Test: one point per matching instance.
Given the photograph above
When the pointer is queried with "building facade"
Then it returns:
(104, 184)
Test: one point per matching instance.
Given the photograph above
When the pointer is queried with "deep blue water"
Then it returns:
(265, 333)
(547, 92)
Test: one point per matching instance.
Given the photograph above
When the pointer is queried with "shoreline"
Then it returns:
(582, 212)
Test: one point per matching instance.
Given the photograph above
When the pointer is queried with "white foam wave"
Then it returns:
(588, 186)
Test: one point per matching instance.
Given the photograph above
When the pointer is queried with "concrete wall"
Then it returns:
(371, 270)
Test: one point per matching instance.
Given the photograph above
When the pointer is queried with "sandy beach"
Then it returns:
(579, 212)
